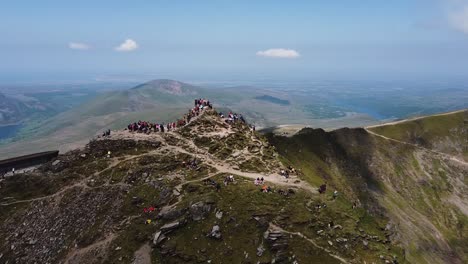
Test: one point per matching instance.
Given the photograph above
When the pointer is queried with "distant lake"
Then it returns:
(361, 109)
(9, 131)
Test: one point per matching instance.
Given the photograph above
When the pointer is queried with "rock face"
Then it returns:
(279, 244)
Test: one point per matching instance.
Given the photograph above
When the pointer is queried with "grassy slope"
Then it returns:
(445, 133)
(407, 185)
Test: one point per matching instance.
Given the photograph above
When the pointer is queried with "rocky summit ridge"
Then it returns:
(195, 195)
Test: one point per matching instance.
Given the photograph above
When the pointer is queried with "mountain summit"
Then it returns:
(214, 190)
(168, 86)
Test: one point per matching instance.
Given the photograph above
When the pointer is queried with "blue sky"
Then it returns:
(209, 38)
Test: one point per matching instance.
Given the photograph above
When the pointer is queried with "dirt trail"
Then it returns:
(70, 258)
(143, 255)
(223, 167)
(299, 234)
(78, 184)
(445, 155)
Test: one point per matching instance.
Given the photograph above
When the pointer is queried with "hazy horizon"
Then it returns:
(54, 40)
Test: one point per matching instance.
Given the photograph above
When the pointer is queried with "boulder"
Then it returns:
(261, 221)
(216, 232)
(260, 250)
(199, 210)
(173, 214)
(158, 238)
(219, 215)
(365, 243)
(169, 227)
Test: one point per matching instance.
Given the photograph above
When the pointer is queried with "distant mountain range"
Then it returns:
(158, 100)
(67, 118)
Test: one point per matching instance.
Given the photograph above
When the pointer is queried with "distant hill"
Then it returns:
(157, 100)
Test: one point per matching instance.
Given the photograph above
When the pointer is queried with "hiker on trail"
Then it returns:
(161, 127)
(241, 118)
(322, 188)
(262, 180)
(228, 179)
(335, 194)
(257, 181)
(218, 187)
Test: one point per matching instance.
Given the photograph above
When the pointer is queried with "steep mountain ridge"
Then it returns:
(90, 203)
(395, 203)
(420, 190)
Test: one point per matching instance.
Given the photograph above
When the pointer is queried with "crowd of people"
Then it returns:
(285, 172)
(232, 117)
(148, 127)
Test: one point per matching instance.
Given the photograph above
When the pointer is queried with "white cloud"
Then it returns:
(279, 53)
(127, 45)
(459, 19)
(78, 46)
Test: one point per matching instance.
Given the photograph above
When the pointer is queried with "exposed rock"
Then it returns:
(173, 214)
(158, 238)
(260, 250)
(169, 227)
(365, 243)
(56, 162)
(261, 221)
(341, 240)
(219, 215)
(199, 210)
(338, 227)
(216, 232)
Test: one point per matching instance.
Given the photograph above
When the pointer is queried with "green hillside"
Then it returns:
(446, 133)
(422, 193)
